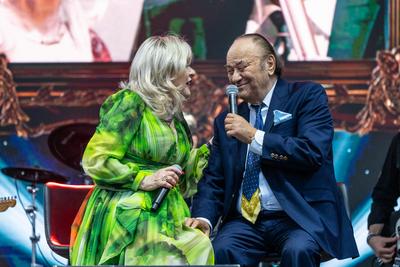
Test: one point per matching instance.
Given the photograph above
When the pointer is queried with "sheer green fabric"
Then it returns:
(117, 226)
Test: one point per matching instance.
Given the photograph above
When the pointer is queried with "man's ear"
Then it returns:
(270, 64)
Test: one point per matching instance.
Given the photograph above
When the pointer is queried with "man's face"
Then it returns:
(247, 69)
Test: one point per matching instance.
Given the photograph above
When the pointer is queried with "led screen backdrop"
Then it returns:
(66, 31)
(110, 30)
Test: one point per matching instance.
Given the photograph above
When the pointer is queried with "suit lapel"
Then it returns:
(278, 102)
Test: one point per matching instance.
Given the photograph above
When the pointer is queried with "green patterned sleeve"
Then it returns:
(194, 167)
(120, 117)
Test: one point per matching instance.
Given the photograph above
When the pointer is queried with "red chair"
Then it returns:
(62, 202)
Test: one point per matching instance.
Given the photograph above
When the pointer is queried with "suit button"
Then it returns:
(280, 157)
(233, 195)
(285, 158)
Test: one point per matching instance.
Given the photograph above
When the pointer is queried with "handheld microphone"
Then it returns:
(162, 193)
(232, 91)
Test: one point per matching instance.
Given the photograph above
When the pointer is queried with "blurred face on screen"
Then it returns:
(184, 81)
(247, 68)
(52, 30)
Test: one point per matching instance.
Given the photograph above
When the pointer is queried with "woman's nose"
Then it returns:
(191, 71)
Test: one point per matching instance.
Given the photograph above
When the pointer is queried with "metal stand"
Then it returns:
(85, 179)
(31, 212)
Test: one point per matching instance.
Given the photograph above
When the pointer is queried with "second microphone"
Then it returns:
(162, 193)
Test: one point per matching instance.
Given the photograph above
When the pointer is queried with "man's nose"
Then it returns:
(236, 77)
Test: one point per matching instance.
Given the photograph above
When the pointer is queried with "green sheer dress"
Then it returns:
(115, 224)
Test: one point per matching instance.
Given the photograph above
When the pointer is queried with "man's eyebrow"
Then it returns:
(239, 62)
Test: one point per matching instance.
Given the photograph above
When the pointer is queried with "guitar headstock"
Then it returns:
(7, 202)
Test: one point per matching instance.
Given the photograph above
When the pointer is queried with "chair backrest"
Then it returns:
(62, 202)
(343, 192)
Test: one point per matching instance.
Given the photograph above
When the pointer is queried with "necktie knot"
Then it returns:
(259, 121)
(258, 108)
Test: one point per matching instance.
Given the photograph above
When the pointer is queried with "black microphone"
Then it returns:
(232, 91)
(162, 193)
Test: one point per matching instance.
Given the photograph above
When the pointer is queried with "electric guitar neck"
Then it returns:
(396, 262)
(7, 202)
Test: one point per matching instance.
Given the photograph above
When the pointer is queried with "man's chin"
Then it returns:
(243, 95)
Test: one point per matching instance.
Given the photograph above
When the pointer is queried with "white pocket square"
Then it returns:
(280, 116)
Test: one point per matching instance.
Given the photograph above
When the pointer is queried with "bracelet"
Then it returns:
(370, 236)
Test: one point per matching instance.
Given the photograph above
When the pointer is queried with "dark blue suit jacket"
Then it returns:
(296, 161)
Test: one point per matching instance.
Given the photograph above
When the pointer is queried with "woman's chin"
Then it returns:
(186, 92)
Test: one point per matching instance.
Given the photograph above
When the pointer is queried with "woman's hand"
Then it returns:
(167, 177)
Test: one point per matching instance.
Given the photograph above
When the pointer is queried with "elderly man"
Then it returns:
(270, 175)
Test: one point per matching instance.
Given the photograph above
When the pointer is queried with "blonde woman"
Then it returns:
(141, 135)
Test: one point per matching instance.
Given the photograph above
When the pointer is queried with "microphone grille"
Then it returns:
(231, 89)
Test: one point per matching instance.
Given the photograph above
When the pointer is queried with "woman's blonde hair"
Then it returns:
(158, 61)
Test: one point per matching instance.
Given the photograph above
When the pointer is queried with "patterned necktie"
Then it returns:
(251, 205)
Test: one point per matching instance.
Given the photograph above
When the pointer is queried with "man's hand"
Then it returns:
(236, 126)
(200, 224)
(384, 247)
